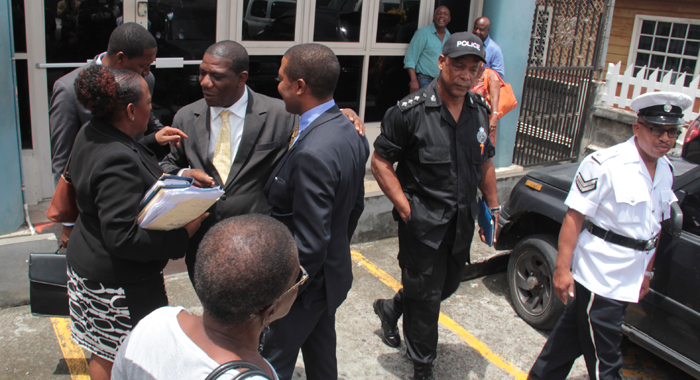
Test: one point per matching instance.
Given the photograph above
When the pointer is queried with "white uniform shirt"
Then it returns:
(614, 190)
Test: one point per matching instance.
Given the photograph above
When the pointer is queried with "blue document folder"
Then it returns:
(166, 181)
(487, 221)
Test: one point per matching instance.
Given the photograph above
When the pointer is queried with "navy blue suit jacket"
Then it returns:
(317, 191)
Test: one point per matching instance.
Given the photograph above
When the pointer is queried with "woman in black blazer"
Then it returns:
(115, 266)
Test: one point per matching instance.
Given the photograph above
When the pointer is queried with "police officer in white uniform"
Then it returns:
(624, 192)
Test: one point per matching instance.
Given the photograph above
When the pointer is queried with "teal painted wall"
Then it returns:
(11, 212)
(511, 24)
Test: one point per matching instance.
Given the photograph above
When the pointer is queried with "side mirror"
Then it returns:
(674, 224)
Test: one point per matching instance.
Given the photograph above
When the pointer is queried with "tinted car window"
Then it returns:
(691, 213)
(278, 8)
(258, 8)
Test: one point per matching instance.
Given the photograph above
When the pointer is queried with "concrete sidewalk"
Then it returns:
(29, 348)
(480, 338)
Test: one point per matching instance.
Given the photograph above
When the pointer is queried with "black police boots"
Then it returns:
(390, 330)
(423, 371)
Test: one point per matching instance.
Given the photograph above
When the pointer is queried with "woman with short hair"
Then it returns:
(115, 266)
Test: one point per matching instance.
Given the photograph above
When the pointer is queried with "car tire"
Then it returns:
(530, 271)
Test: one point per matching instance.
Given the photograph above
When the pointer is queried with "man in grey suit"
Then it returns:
(130, 47)
(240, 161)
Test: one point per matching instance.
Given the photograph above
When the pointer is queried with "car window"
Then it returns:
(691, 213)
(258, 8)
(279, 7)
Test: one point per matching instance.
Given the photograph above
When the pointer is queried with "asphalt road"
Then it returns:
(481, 337)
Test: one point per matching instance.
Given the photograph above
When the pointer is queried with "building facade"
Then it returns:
(370, 37)
(663, 35)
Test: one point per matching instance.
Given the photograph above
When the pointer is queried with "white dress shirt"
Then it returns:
(615, 191)
(236, 120)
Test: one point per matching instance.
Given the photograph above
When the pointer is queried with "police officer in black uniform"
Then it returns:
(439, 136)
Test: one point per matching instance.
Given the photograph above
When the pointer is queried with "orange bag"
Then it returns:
(506, 99)
(63, 207)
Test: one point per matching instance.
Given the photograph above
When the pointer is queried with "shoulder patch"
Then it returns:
(478, 99)
(605, 154)
(411, 101)
(585, 186)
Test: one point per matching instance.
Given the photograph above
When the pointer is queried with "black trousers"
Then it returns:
(591, 326)
(311, 330)
(428, 276)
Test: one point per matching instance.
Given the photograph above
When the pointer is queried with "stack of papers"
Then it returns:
(172, 202)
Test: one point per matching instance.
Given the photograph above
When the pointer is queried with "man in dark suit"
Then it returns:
(317, 191)
(259, 130)
(130, 47)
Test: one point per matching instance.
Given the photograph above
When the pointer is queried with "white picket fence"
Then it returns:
(613, 78)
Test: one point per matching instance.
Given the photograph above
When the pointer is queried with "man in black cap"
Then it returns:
(624, 192)
(438, 135)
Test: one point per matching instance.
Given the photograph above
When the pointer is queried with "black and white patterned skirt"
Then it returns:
(102, 316)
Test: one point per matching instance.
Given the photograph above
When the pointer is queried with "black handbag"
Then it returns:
(252, 370)
(48, 284)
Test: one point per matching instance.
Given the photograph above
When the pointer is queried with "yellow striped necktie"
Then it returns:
(294, 136)
(222, 149)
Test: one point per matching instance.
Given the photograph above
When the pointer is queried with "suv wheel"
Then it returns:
(530, 270)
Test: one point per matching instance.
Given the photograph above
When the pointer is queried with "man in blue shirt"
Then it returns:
(317, 191)
(494, 55)
(421, 59)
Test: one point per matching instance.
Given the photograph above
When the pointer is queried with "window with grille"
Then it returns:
(667, 44)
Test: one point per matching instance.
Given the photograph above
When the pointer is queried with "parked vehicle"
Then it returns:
(667, 321)
(261, 13)
(691, 142)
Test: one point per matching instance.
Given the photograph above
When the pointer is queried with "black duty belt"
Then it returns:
(609, 236)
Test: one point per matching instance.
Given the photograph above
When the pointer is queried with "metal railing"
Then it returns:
(549, 126)
(564, 55)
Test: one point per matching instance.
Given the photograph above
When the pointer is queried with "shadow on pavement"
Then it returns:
(63, 365)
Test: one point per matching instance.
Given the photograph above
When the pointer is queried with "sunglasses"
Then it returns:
(301, 279)
(659, 131)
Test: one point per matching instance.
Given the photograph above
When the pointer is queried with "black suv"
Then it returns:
(667, 320)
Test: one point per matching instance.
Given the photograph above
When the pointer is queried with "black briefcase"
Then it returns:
(48, 291)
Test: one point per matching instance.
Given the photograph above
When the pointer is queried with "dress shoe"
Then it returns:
(423, 372)
(390, 331)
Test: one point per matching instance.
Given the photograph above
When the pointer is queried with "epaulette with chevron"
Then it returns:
(605, 154)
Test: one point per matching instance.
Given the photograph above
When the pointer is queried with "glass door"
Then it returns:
(77, 31)
(184, 30)
(63, 35)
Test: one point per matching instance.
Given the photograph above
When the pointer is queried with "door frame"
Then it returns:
(36, 162)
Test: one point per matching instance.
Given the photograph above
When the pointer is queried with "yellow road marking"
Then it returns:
(72, 353)
(445, 321)
(380, 274)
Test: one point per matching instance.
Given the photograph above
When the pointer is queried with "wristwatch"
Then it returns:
(496, 209)
(649, 274)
